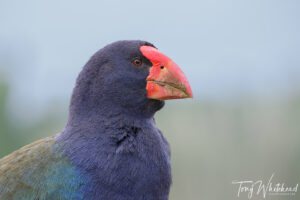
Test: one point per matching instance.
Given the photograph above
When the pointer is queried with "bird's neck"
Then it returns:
(111, 118)
(102, 126)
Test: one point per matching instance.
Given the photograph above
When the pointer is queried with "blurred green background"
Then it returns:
(241, 57)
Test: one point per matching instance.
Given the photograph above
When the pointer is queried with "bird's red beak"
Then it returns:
(166, 80)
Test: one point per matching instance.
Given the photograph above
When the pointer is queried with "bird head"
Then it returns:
(132, 77)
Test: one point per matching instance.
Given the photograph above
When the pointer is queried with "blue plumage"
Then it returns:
(39, 171)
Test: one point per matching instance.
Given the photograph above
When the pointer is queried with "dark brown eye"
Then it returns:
(137, 62)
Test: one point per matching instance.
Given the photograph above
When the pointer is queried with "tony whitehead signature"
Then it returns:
(258, 187)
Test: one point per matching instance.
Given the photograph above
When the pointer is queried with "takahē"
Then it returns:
(110, 148)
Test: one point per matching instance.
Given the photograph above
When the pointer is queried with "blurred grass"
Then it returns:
(15, 134)
(212, 143)
(216, 143)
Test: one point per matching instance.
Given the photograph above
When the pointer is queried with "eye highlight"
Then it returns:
(137, 61)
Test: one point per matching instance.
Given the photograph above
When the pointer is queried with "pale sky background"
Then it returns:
(226, 48)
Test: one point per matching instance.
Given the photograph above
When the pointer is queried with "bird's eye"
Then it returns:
(137, 62)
